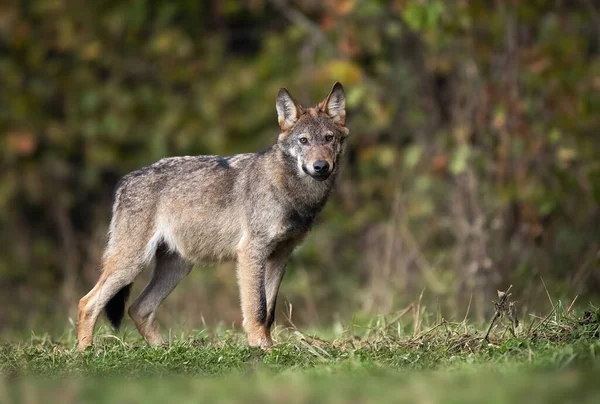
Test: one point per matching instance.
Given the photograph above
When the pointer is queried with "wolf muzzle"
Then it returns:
(321, 170)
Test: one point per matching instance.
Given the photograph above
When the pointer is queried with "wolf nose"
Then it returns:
(321, 166)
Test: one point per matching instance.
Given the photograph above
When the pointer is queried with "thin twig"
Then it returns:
(594, 14)
(501, 302)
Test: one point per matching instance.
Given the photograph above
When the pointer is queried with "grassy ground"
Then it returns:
(550, 359)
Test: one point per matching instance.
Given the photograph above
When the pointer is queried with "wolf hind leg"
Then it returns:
(170, 269)
(118, 271)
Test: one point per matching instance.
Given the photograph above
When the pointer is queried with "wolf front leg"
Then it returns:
(251, 264)
(274, 271)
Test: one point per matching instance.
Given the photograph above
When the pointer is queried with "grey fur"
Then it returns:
(253, 207)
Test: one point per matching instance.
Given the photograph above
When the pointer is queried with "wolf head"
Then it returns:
(314, 137)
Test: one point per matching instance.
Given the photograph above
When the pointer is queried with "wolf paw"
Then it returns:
(263, 343)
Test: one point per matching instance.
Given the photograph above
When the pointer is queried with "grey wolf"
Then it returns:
(254, 208)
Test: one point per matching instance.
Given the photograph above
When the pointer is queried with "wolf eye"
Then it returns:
(329, 138)
(303, 140)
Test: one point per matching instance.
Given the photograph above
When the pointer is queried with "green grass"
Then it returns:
(551, 359)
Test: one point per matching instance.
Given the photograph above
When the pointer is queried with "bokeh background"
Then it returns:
(473, 163)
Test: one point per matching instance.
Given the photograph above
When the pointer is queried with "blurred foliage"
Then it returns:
(474, 159)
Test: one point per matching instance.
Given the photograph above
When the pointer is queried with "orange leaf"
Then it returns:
(342, 7)
(21, 142)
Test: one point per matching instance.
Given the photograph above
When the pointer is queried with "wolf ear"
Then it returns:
(288, 111)
(335, 104)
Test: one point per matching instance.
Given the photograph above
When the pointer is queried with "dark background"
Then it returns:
(473, 164)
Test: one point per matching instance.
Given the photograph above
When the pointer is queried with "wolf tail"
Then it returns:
(115, 308)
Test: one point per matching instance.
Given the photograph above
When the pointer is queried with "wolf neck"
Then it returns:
(305, 194)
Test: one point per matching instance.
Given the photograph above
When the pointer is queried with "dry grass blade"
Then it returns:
(548, 294)
(464, 322)
(571, 305)
(313, 349)
(401, 314)
(425, 333)
(540, 323)
(417, 315)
